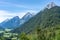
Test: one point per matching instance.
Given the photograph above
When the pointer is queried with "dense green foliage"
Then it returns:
(23, 36)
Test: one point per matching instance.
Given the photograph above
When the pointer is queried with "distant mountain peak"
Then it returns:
(16, 17)
(52, 4)
(28, 13)
(27, 16)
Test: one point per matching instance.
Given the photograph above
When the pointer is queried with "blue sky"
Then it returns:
(11, 8)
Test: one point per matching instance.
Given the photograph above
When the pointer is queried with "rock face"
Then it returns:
(52, 4)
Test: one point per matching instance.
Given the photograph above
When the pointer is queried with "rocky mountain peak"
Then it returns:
(52, 4)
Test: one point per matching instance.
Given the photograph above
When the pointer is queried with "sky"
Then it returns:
(11, 8)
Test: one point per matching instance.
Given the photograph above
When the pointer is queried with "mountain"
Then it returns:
(16, 21)
(43, 19)
(12, 23)
(50, 5)
(27, 16)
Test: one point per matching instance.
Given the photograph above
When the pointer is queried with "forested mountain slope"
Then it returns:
(46, 18)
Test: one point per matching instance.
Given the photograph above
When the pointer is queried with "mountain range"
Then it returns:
(45, 20)
(49, 17)
(15, 21)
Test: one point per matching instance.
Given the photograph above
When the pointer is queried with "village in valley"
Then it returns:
(8, 35)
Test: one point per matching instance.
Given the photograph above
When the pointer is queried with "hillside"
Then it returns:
(46, 18)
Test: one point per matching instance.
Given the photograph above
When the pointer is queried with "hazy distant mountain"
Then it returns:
(16, 21)
(27, 16)
(12, 23)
